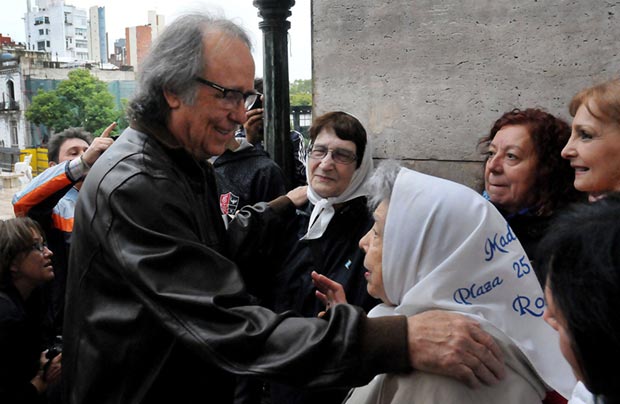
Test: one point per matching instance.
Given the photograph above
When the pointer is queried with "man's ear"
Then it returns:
(14, 269)
(172, 99)
(51, 163)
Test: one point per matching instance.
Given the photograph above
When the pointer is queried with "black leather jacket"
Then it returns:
(157, 311)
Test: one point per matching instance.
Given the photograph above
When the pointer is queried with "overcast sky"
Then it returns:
(129, 13)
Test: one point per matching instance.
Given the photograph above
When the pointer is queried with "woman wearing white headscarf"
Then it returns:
(323, 237)
(439, 245)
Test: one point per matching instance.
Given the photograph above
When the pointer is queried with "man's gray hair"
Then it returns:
(381, 184)
(175, 59)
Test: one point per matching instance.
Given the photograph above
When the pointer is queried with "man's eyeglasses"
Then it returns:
(39, 245)
(338, 155)
(231, 96)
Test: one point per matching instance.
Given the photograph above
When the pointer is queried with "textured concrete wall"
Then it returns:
(428, 78)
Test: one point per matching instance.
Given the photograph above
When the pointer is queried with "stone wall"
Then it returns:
(428, 78)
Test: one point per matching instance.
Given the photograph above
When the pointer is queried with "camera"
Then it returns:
(55, 348)
(257, 104)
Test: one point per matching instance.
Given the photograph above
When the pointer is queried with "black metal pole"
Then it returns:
(277, 125)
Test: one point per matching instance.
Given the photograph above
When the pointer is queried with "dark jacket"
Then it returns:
(530, 229)
(157, 312)
(299, 154)
(22, 338)
(337, 255)
(247, 176)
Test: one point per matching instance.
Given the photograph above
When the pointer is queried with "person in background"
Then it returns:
(25, 265)
(432, 247)
(525, 176)
(156, 309)
(323, 237)
(246, 175)
(594, 144)
(253, 131)
(582, 272)
(51, 196)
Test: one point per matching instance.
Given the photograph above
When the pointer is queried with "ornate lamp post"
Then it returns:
(277, 125)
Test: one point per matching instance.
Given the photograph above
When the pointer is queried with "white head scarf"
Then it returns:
(445, 247)
(323, 210)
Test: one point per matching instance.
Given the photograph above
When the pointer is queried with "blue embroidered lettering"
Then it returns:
(500, 245)
(521, 267)
(464, 295)
(521, 305)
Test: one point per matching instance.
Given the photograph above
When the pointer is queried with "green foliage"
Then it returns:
(49, 109)
(301, 99)
(81, 100)
(122, 120)
(300, 92)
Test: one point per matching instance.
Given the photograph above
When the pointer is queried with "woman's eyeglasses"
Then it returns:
(338, 155)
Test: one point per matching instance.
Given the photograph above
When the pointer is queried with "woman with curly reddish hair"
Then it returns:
(525, 176)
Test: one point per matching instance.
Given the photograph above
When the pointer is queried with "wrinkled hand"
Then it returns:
(454, 345)
(328, 291)
(254, 125)
(99, 145)
(298, 196)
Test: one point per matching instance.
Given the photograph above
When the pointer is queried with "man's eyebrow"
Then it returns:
(76, 148)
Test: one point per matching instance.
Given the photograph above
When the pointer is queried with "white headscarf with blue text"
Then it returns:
(445, 247)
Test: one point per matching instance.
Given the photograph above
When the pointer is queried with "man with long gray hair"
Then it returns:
(156, 309)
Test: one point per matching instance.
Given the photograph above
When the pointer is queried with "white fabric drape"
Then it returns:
(323, 210)
(445, 247)
(581, 395)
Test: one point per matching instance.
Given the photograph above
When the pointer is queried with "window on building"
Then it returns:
(47, 32)
(41, 45)
(47, 43)
(14, 137)
(47, 20)
(41, 32)
(10, 87)
(38, 20)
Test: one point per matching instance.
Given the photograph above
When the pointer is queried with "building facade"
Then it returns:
(23, 73)
(138, 39)
(157, 23)
(138, 42)
(14, 65)
(61, 30)
(119, 57)
(97, 39)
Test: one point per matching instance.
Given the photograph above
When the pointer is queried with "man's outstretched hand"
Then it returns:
(454, 345)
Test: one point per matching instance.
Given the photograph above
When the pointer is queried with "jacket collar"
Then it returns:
(159, 132)
(195, 170)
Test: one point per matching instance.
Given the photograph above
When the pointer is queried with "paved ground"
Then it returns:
(6, 208)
